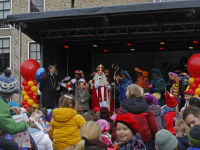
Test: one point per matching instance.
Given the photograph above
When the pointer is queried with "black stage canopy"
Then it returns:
(142, 24)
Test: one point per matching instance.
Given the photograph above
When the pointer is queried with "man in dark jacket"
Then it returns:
(48, 88)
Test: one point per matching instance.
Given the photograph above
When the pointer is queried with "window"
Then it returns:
(34, 51)
(5, 52)
(4, 11)
(36, 5)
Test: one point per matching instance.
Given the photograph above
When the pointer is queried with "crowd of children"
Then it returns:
(139, 124)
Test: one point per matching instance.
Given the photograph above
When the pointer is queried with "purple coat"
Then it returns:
(158, 116)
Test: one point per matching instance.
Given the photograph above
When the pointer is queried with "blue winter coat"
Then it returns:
(193, 148)
(184, 142)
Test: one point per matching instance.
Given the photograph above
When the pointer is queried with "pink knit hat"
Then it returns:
(105, 125)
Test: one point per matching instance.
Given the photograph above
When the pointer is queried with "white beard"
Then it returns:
(103, 79)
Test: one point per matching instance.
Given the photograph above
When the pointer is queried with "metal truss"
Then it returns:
(17, 58)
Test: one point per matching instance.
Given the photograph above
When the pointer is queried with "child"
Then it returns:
(153, 102)
(136, 106)
(187, 95)
(82, 95)
(194, 138)
(168, 111)
(165, 140)
(105, 127)
(65, 124)
(126, 129)
(41, 139)
(90, 134)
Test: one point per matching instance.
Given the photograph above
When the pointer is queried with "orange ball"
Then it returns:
(30, 102)
(34, 88)
(30, 83)
(35, 93)
(35, 105)
(191, 80)
(197, 91)
(26, 97)
(24, 93)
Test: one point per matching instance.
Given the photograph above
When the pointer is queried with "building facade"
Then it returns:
(29, 48)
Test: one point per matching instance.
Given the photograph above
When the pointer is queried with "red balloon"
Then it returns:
(34, 97)
(24, 83)
(35, 83)
(27, 88)
(197, 80)
(193, 65)
(193, 86)
(24, 102)
(36, 101)
(30, 93)
(26, 106)
(29, 68)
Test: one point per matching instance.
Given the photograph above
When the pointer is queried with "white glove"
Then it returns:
(69, 89)
(63, 84)
(113, 84)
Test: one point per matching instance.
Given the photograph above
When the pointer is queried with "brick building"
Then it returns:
(31, 49)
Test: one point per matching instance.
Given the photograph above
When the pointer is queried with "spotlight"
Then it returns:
(128, 44)
(105, 50)
(66, 46)
(162, 48)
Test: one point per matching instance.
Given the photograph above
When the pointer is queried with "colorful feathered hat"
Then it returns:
(170, 100)
(145, 73)
(126, 73)
(174, 77)
(80, 72)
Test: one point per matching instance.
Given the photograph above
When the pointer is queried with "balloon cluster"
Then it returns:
(193, 67)
(29, 94)
(28, 71)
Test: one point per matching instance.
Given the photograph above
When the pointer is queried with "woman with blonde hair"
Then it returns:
(91, 138)
(182, 130)
(136, 106)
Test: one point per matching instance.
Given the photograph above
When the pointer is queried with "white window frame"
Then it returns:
(10, 14)
(29, 9)
(3, 37)
(29, 42)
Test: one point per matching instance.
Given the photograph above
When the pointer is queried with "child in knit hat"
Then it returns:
(152, 101)
(165, 140)
(126, 129)
(194, 137)
(187, 95)
(105, 127)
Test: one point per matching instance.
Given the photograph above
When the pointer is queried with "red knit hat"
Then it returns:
(96, 109)
(170, 100)
(189, 92)
(129, 121)
(104, 113)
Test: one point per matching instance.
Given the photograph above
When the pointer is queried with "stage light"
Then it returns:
(66, 46)
(162, 48)
(195, 42)
(105, 50)
(191, 47)
(162, 43)
(132, 49)
(95, 45)
(128, 44)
